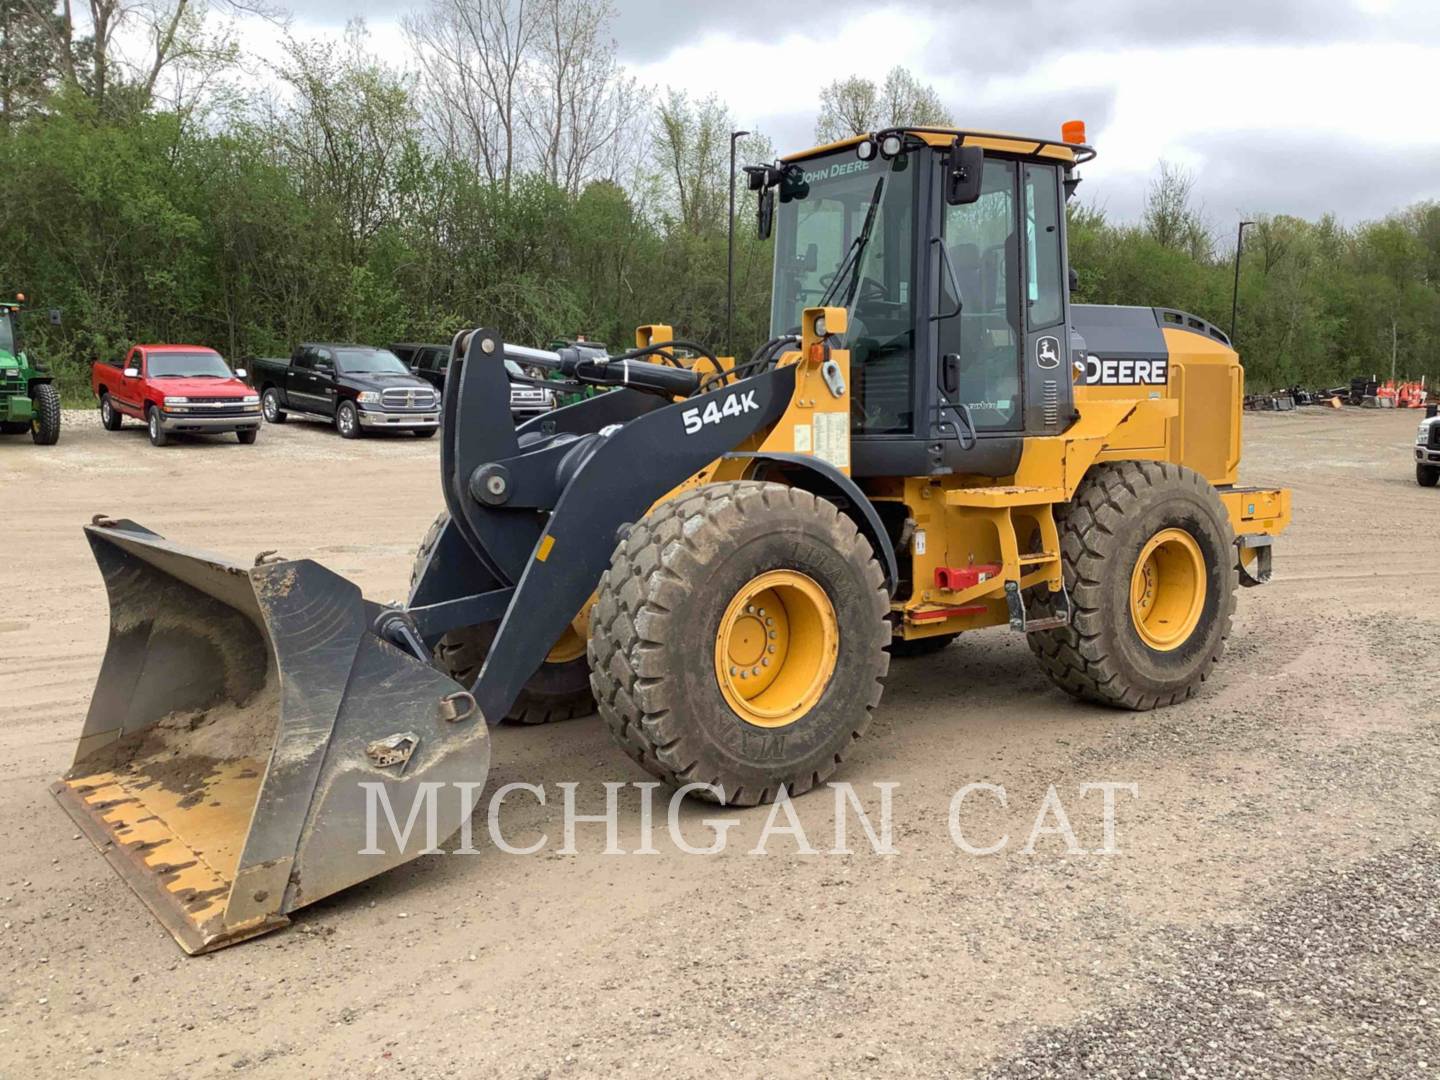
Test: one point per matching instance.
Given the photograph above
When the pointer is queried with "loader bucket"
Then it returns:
(243, 719)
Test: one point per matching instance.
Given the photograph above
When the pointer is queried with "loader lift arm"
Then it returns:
(540, 513)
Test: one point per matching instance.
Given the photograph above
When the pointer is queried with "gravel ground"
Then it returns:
(1271, 910)
(1341, 978)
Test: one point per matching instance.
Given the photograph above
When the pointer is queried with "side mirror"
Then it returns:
(765, 215)
(241, 373)
(1074, 279)
(54, 316)
(964, 173)
(132, 373)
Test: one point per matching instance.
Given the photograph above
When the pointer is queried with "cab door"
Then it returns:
(999, 308)
(130, 395)
(301, 392)
(1047, 378)
(324, 381)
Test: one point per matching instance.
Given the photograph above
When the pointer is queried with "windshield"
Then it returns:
(369, 362)
(7, 331)
(824, 253)
(187, 365)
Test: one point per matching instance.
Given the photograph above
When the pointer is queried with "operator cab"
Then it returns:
(948, 250)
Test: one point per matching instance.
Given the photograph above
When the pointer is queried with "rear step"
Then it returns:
(1020, 619)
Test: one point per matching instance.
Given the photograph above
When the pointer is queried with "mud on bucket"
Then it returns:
(240, 715)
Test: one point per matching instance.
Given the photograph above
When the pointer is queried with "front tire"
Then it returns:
(1427, 475)
(347, 420)
(248, 436)
(1149, 559)
(270, 406)
(45, 427)
(425, 432)
(158, 437)
(739, 639)
(110, 417)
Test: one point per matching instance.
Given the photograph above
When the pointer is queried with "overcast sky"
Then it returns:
(1300, 106)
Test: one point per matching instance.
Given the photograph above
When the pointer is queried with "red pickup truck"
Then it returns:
(176, 389)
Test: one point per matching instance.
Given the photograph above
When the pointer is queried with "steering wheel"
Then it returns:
(872, 290)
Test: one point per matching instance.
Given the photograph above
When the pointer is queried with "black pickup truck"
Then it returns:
(356, 387)
(430, 362)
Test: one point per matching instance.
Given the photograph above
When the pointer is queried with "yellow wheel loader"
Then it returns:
(725, 554)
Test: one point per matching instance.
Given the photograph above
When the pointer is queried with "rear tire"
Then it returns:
(558, 691)
(158, 437)
(45, 427)
(347, 420)
(110, 417)
(674, 614)
(1427, 475)
(1138, 638)
(927, 646)
(248, 436)
(270, 405)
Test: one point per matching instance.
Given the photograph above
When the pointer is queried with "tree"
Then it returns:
(856, 106)
(28, 61)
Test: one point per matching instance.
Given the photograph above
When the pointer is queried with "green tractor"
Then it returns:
(28, 398)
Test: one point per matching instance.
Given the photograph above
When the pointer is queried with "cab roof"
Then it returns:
(176, 348)
(1024, 145)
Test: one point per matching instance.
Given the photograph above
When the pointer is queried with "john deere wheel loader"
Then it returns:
(934, 441)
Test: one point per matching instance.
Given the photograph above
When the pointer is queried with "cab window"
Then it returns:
(984, 252)
(1045, 283)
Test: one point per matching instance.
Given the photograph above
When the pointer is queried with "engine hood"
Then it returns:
(183, 387)
(385, 381)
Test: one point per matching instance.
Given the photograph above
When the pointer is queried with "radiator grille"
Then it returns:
(409, 397)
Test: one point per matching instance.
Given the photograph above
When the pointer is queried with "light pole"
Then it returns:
(730, 247)
(1235, 296)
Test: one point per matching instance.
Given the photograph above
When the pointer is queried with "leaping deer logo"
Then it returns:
(1047, 352)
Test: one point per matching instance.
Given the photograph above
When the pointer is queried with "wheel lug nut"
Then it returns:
(755, 672)
(768, 622)
(749, 610)
(734, 671)
(765, 662)
(769, 649)
(761, 613)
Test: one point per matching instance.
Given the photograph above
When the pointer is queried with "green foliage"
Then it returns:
(336, 218)
(1318, 303)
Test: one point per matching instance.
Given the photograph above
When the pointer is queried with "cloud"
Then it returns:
(1340, 85)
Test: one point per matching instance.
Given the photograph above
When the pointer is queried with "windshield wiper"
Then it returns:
(857, 249)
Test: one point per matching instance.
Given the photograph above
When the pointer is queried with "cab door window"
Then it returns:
(984, 252)
(1044, 264)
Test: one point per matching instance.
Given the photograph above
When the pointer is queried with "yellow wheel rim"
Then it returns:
(1167, 590)
(775, 648)
(571, 646)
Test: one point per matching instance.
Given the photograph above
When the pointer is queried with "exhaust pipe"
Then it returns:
(245, 723)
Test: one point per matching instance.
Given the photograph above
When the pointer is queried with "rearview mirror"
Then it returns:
(765, 215)
(964, 172)
(241, 373)
(132, 372)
